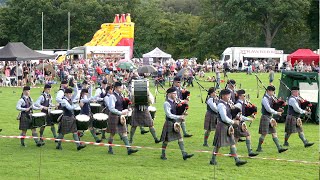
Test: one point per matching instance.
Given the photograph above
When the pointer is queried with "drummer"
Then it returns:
(25, 105)
(85, 109)
(114, 123)
(68, 120)
(109, 90)
(44, 102)
(141, 117)
(101, 92)
(60, 93)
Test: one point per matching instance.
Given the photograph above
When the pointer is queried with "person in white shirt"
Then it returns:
(292, 124)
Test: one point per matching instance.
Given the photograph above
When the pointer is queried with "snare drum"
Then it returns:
(139, 90)
(55, 114)
(82, 122)
(77, 110)
(100, 120)
(38, 119)
(152, 110)
(95, 108)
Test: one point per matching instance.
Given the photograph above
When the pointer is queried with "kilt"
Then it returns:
(67, 125)
(141, 118)
(210, 121)
(238, 131)
(25, 121)
(221, 137)
(114, 125)
(265, 127)
(168, 132)
(291, 125)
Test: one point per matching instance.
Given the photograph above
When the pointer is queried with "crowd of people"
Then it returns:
(42, 72)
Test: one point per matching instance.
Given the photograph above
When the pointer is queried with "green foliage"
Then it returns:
(183, 28)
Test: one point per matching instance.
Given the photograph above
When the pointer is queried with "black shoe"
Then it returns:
(98, 133)
(187, 135)
(205, 145)
(23, 145)
(241, 162)
(81, 146)
(131, 151)
(252, 154)
(308, 144)
(144, 132)
(241, 140)
(110, 152)
(98, 141)
(282, 150)
(259, 150)
(163, 157)
(213, 162)
(157, 141)
(81, 134)
(186, 156)
(286, 143)
(59, 147)
(39, 143)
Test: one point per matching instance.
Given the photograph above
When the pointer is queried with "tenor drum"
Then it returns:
(77, 110)
(152, 110)
(139, 91)
(82, 122)
(55, 114)
(100, 120)
(95, 108)
(38, 119)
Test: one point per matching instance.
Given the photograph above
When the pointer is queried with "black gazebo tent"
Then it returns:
(17, 51)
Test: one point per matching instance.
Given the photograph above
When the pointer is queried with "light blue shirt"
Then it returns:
(167, 110)
(293, 102)
(222, 110)
(265, 103)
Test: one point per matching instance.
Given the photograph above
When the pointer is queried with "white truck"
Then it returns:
(240, 54)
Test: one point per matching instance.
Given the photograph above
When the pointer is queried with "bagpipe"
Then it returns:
(277, 103)
(305, 105)
(126, 102)
(235, 111)
(249, 109)
(181, 108)
(185, 94)
(201, 88)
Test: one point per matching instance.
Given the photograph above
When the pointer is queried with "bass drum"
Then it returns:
(82, 122)
(139, 90)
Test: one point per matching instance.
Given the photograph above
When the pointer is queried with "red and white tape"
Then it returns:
(152, 148)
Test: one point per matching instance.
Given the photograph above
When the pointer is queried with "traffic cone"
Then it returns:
(116, 19)
(128, 18)
(123, 18)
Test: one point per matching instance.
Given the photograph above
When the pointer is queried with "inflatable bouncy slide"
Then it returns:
(118, 33)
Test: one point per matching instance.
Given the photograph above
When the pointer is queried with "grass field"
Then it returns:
(93, 162)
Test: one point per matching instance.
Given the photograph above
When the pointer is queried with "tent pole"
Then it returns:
(17, 73)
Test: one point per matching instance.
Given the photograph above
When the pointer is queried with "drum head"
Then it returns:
(56, 112)
(152, 109)
(94, 104)
(40, 114)
(100, 116)
(82, 118)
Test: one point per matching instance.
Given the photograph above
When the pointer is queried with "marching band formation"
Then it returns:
(109, 111)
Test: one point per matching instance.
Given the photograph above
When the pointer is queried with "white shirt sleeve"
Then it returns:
(212, 105)
(266, 105)
(167, 110)
(97, 94)
(39, 101)
(66, 104)
(295, 105)
(112, 104)
(222, 110)
(19, 105)
(85, 99)
(59, 96)
(106, 101)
